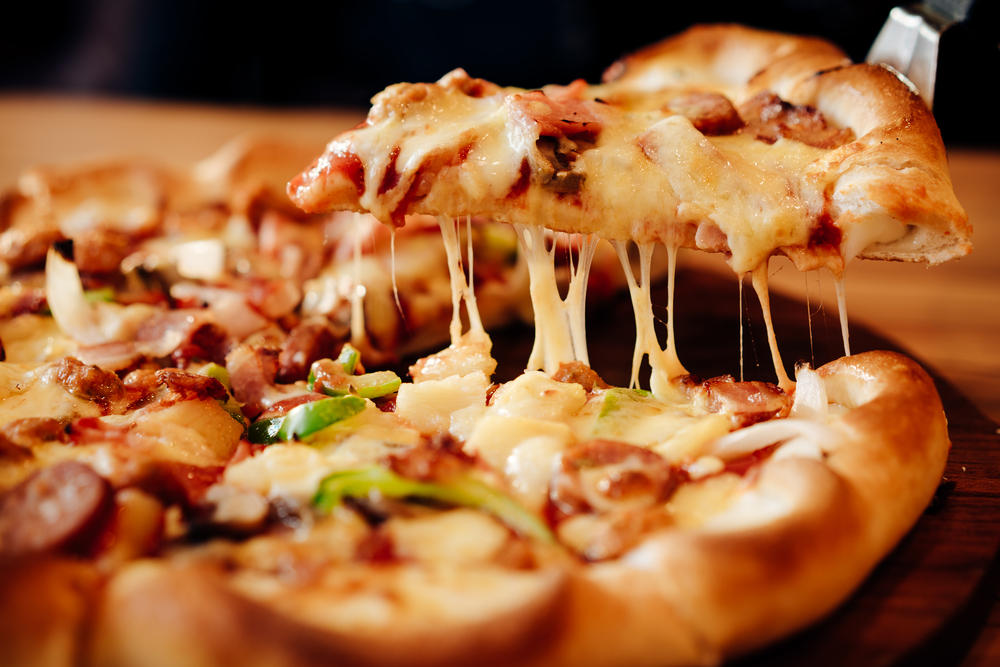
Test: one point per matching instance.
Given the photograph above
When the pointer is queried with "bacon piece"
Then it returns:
(711, 113)
(251, 375)
(557, 117)
(607, 475)
(167, 330)
(768, 117)
(61, 507)
(208, 342)
(88, 382)
(581, 374)
(310, 341)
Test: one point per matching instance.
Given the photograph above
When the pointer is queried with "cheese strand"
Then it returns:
(759, 279)
(842, 308)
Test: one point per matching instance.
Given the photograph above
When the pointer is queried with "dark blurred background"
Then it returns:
(340, 53)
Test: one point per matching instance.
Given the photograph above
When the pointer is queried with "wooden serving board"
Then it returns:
(927, 601)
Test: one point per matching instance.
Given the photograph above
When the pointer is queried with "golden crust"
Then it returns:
(804, 534)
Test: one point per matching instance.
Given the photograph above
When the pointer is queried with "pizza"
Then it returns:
(206, 456)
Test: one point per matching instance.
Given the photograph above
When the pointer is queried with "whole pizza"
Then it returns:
(211, 455)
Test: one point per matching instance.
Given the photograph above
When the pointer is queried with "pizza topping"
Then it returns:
(252, 372)
(581, 374)
(460, 490)
(62, 507)
(308, 342)
(768, 117)
(746, 402)
(712, 114)
(598, 537)
(304, 420)
(602, 475)
(33, 430)
(88, 382)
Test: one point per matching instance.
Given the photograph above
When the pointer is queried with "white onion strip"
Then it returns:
(752, 438)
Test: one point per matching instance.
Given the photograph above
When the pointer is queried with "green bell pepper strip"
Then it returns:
(348, 358)
(373, 385)
(304, 420)
(264, 431)
(461, 490)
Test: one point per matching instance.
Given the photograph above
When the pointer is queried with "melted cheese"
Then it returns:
(664, 363)
(560, 323)
(759, 279)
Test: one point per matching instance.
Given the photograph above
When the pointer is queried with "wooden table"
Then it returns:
(946, 316)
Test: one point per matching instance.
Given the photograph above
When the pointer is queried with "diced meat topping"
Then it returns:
(88, 382)
(746, 402)
(581, 374)
(62, 507)
(711, 113)
(184, 386)
(100, 250)
(603, 475)
(768, 117)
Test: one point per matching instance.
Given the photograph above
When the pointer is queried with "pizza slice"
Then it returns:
(724, 139)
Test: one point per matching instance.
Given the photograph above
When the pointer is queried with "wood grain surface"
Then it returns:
(927, 601)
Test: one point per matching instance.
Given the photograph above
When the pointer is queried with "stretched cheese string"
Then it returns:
(759, 279)
(576, 297)
(357, 297)
(392, 271)
(663, 364)
(674, 362)
(560, 326)
(461, 286)
(742, 276)
(842, 307)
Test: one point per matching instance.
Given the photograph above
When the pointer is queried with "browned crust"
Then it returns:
(683, 597)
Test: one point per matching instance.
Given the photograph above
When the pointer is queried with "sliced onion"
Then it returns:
(810, 396)
(752, 438)
(76, 316)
